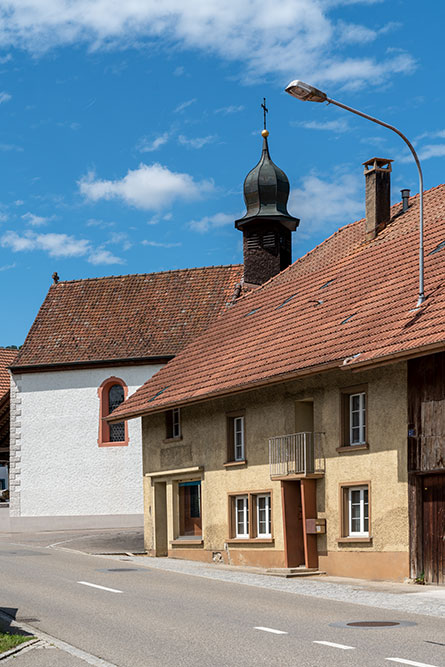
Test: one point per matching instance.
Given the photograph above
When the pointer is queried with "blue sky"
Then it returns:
(127, 128)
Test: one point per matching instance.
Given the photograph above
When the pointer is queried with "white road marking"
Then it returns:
(402, 661)
(274, 632)
(102, 588)
(342, 646)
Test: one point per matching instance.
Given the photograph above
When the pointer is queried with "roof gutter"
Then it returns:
(102, 363)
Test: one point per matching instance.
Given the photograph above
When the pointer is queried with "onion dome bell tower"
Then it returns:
(267, 226)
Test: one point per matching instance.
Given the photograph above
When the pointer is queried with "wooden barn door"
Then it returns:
(433, 502)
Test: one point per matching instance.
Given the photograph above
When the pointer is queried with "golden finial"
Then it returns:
(265, 133)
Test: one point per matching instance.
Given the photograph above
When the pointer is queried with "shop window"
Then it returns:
(112, 393)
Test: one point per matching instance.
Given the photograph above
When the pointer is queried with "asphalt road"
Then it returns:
(138, 616)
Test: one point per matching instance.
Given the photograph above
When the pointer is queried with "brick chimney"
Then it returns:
(378, 195)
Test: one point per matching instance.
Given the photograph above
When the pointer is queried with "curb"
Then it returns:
(18, 648)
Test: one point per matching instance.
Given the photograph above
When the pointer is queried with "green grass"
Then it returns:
(8, 641)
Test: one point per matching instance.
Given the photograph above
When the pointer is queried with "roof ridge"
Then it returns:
(152, 273)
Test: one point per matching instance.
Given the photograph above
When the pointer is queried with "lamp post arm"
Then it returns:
(419, 169)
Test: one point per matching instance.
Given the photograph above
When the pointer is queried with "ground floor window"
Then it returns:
(190, 523)
(250, 515)
(355, 511)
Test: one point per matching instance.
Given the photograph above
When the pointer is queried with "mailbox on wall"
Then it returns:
(315, 526)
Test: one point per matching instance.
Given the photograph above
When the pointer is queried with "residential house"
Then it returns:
(311, 413)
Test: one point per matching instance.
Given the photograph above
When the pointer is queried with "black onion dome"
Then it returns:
(266, 191)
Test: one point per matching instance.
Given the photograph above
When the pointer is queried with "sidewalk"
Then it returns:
(45, 652)
(410, 598)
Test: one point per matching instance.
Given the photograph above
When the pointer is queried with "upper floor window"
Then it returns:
(236, 451)
(173, 423)
(112, 393)
(354, 417)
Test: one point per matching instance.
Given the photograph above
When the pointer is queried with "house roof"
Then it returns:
(6, 359)
(141, 316)
(346, 303)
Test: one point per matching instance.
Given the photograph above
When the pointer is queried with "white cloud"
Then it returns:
(230, 109)
(319, 202)
(156, 244)
(330, 125)
(6, 267)
(4, 97)
(432, 150)
(57, 245)
(266, 37)
(93, 222)
(148, 146)
(11, 147)
(184, 105)
(212, 222)
(197, 142)
(121, 239)
(149, 187)
(179, 71)
(35, 220)
(103, 256)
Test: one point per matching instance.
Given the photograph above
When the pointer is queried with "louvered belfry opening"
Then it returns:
(267, 226)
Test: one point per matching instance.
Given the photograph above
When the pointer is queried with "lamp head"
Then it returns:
(303, 91)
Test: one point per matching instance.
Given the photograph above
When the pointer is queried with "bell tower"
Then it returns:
(267, 226)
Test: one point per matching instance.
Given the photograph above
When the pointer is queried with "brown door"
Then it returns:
(190, 508)
(433, 501)
(293, 524)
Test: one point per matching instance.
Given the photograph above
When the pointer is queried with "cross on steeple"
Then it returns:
(265, 111)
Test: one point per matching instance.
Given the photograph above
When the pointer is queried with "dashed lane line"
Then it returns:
(102, 588)
(403, 661)
(342, 646)
(274, 632)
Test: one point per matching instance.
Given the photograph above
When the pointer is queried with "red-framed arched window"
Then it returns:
(112, 392)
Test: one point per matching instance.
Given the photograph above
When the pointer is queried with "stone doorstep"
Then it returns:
(288, 572)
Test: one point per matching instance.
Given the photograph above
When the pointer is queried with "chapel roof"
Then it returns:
(133, 317)
(6, 359)
(346, 303)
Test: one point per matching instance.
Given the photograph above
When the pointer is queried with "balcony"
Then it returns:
(297, 455)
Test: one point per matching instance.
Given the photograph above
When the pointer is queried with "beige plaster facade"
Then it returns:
(311, 403)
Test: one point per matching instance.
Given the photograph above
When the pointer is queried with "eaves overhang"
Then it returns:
(95, 363)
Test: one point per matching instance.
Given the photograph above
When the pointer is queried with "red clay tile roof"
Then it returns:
(6, 359)
(344, 299)
(126, 317)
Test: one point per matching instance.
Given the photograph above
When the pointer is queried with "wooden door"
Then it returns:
(190, 508)
(433, 503)
(293, 524)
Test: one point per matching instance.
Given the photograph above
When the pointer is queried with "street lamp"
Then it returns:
(306, 93)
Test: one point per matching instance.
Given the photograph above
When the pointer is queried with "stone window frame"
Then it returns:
(104, 428)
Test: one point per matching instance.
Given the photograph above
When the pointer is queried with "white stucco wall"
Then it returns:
(61, 470)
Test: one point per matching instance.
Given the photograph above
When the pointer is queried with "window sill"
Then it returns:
(352, 540)
(187, 542)
(175, 439)
(250, 540)
(124, 443)
(232, 464)
(347, 449)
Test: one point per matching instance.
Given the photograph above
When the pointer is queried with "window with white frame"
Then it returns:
(357, 418)
(251, 516)
(358, 511)
(241, 516)
(264, 525)
(238, 438)
(173, 423)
